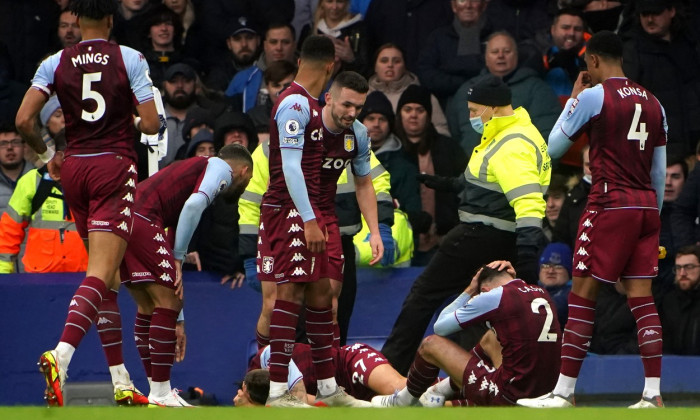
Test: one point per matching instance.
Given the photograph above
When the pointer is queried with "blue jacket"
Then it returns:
(246, 82)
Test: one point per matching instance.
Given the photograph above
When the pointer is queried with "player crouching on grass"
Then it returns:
(526, 327)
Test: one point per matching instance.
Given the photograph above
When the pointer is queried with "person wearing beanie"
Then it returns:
(555, 277)
(51, 116)
(501, 207)
(433, 154)
(202, 144)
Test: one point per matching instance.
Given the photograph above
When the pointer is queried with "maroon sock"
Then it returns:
(261, 339)
(336, 336)
(161, 339)
(577, 335)
(82, 310)
(109, 328)
(283, 325)
(648, 334)
(142, 325)
(319, 332)
(420, 376)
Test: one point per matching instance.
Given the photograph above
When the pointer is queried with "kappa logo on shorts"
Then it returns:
(258, 256)
(123, 226)
(587, 223)
(162, 251)
(132, 169)
(298, 271)
(267, 264)
(472, 379)
(298, 257)
(295, 228)
(262, 226)
(296, 242)
(128, 197)
(126, 212)
(584, 237)
(293, 213)
(582, 251)
(259, 240)
(159, 238)
(484, 384)
(581, 266)
(493, 388)
(166, 277)
(130, 183)
(165, 264)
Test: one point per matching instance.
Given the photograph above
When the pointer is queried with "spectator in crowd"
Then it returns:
(68, 29)
(392, 77)
(347, 30)
(11, 91)
(600, 15)
(304, 16)
(202, 144)
(433, 154)
(522, 19)
(276, 77)
(406, 24)
(246, 88)
(556, 194)
(243, 45)
(529, 91)
(660, 55)
(52, 125)
(676, 174)
(454, 53)
(235, 127)
(185, 11)
(568, 222)
(178, 97)
(680, 311)
(130, 22)
(162, 44)
(378, 116)
(555, 277)
(686, 210)
(12, 162)
(196, 120)
(500, 218)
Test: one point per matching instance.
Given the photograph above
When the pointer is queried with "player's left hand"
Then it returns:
(181, 341)
(375, 242)
(236, 279)
(54, 166)
(582, 82)
(178, 279)
(501, 265)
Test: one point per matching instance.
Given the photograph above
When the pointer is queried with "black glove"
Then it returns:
(440, 183)
(420, 221)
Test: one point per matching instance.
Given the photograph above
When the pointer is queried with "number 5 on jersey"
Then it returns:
(88, 93)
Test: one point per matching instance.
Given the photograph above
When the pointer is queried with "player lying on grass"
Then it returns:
(527, 328)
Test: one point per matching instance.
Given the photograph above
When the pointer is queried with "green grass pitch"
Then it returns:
(217, 413)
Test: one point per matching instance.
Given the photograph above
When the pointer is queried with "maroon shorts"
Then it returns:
(282, 253)
(483, 384)
(354, 365)
(333, 266)
(100, 192)
(617, 243)
(148, 256)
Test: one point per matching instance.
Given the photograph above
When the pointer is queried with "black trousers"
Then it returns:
(346, 301)
(463, 250)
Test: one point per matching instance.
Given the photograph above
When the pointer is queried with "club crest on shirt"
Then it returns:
(349, 143)
(267, 264)
(292, 127)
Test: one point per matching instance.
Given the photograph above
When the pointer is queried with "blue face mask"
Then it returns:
(477, 124)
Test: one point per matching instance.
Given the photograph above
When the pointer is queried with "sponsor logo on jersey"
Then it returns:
(296, 242)
(123, 226)
(73, 303)
(296, 107)
(584, 237)
(317, 134)
(162, 251)
(293, 213)
(349, 143)
(128, 197)
(582, 251)
(159, 238)
(267, 264)
(298, 271)
(165, 264)
(166, 277)
(126, 212)
(99, 223)
(292, 126)
(141, 274)
(291, 140)
(298, 257)
(295, 228)
(102, 320)
(581, 266)
(337, 163)
(587, 223)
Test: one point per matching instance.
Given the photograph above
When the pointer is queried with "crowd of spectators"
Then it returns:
(220, 65)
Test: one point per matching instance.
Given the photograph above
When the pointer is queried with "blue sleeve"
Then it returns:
(480, 305)
(139, 74)
(577, 113)
(658, 173)
(361, 164)
(446, 323)
(44, 76)
(294, 375)
(292, 117)
(217, 177)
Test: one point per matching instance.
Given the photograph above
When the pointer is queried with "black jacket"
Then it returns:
(680, 320)
(566, 228)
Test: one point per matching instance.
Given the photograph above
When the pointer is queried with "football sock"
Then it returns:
(261, 339)
(404, 397)
(319, 332)
(336, 336)
(159, 389)
(649, 337)
(282, 333)
(444, 387)
(65, 354)
(109, 328)
(576, 340)
(119, 375)
(277, 389)
(161, 339)
(142, 325)
(82, 310)
(326, 386)
(420, 376)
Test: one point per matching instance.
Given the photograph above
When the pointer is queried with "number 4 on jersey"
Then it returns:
(640, 134)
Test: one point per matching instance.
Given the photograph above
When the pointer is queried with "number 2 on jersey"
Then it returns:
(545, 335)
(640, 134)
(88, 93)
